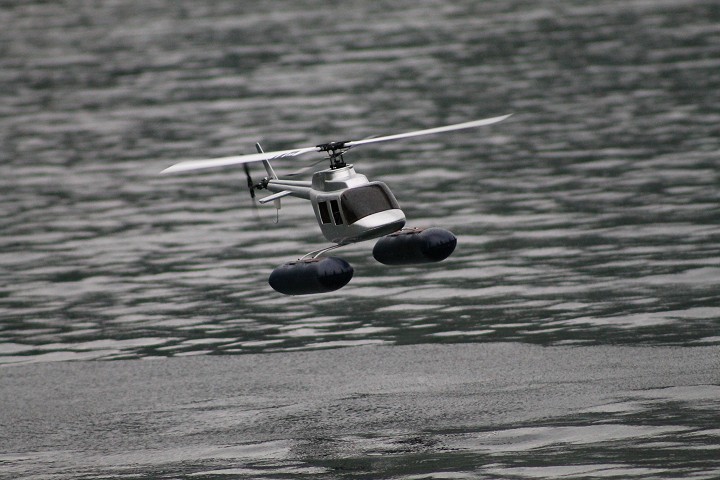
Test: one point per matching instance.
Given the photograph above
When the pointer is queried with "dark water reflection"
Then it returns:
(590, 218)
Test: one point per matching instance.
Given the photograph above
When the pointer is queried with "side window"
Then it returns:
(336, 212)
(324, 212)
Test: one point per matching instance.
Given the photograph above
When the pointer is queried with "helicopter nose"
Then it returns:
(379, 224)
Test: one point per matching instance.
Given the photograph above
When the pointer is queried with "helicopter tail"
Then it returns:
(271, 174)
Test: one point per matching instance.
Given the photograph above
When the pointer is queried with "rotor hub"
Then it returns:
(335, 151)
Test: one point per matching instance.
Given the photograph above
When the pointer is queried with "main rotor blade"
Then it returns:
(303, 171)
(189, 165)
(429, 131)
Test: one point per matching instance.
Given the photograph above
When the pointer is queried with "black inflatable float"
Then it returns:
(305, 277)
(413, 246)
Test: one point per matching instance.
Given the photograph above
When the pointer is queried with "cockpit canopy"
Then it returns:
(360, 202)
(357, 203)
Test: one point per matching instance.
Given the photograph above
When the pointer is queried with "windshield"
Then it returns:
(360, 202)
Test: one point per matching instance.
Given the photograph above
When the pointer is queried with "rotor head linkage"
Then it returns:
(335, 152)
(332, 146)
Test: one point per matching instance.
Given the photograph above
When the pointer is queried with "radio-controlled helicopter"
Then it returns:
(348, 207)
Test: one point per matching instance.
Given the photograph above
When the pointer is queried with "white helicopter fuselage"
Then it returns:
(348, 209)
(347, 206)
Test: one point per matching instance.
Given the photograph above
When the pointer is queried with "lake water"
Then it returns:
(575, 330)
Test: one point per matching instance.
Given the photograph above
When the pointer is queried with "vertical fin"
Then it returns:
(272, 175)
(266, 164)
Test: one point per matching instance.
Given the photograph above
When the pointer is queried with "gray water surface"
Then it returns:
(494, 410)
(587, 222)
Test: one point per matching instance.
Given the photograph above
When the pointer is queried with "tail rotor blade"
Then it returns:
(251, 188)
(250, 184)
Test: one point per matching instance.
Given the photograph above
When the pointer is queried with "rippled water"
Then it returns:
(493, 410)
(590, 218)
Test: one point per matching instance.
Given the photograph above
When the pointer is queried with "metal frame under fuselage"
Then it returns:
(328, 185)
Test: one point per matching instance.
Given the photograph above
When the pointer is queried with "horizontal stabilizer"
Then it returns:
(275, 196)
